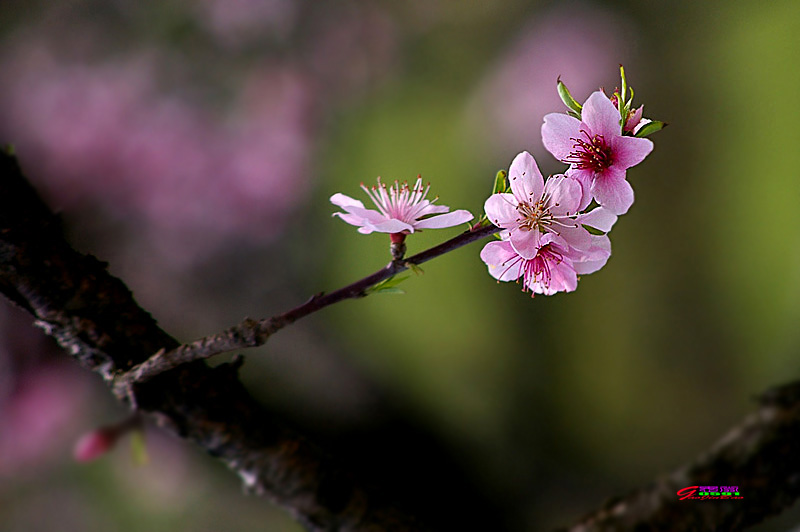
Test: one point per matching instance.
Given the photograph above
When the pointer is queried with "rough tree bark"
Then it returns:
(94, 317)
(761, 456)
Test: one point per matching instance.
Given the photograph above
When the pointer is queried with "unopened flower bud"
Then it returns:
(95, 444)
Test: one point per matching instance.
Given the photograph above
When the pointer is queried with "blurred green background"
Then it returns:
(194, 146)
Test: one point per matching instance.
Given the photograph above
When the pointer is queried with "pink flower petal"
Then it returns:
(630, 151)
(526, 243)
(501, 259)
(352, 219)
(566, 194)
(562, 279)
(612, 191)
(558, 131)
(344, 201)
(431, 208)
(389, 225)
(525, 178)
(368, 215)
(574, 235)
(596, 256)
(445, 220)
(501, 209)
(584, 177)
(599, 218)
(601, 116)
(633, 119)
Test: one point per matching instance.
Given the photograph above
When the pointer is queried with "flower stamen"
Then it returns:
(590, 153)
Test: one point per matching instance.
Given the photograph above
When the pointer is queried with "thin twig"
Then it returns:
(252, 333)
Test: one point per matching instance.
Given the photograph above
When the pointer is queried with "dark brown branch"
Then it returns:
(761, 456)
(251, 333)
(95, 318)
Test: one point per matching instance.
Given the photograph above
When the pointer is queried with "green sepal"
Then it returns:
(9, 149)
(388, 286)
(482, 222)
(500, 182)
(650, 127)
(567, 98)
(624, 103)
(477, 225)
(139, 448)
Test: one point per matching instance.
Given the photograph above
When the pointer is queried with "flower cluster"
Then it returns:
(551, 230)
(545, 240)
(549, 236)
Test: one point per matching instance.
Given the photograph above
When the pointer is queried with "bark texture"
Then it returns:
(761, 455)
(95, 318)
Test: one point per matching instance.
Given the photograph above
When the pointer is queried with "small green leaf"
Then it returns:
(414, 268)
(138, 448)
(389, 290)
(500, 182)
(624, 89)
(567, 98)
(388, 285)
(9, 149)
(650, 127)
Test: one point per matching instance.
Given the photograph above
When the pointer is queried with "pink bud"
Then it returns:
(633, 119)
(94, 444)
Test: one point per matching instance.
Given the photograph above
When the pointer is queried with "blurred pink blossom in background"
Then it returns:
(37, 416)
(578, 42)
(103, 134)
(192, 166)
(235, 23)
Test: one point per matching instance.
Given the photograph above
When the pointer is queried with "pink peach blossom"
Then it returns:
(555, 267)
(401, 209)
(596, 150)
(535, 208)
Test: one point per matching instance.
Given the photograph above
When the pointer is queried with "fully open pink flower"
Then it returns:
(554, 268)
(535, 208)
(549, 271)
(596, 150)
(401, 209)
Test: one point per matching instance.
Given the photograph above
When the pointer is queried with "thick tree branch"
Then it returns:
(95, 318)
(761, 456)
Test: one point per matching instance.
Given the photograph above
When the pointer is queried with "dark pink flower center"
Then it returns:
(540, 268)
(589, 153)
